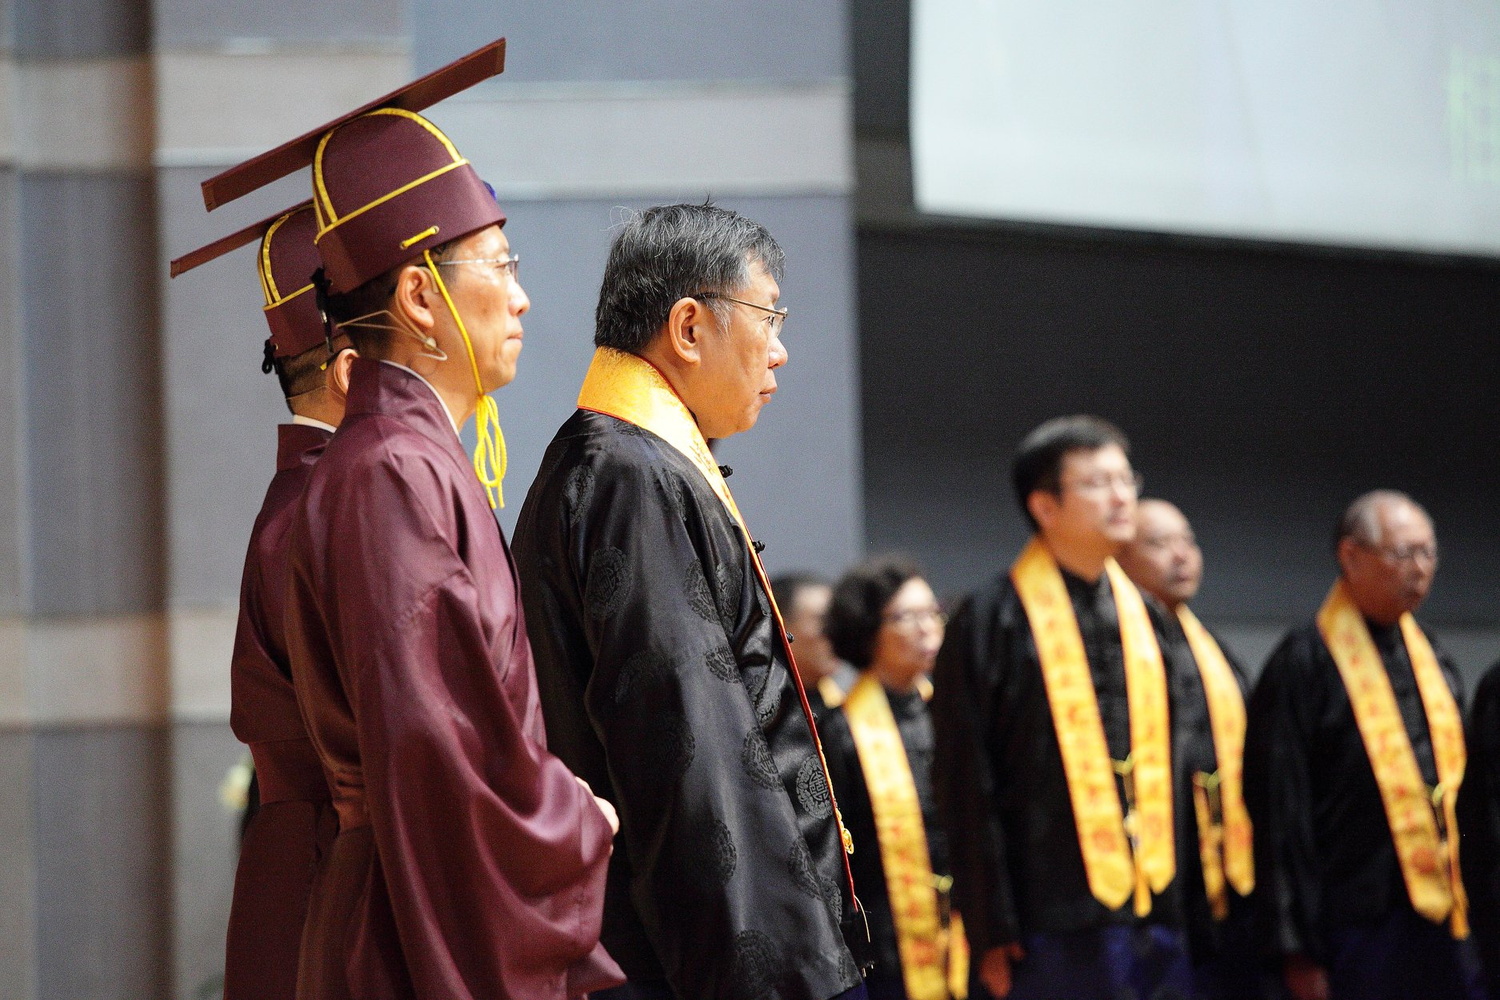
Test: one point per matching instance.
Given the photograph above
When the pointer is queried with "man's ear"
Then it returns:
(415, 298)
(336, 375)
(687, 323)
(1346, 553)
(1043, 507)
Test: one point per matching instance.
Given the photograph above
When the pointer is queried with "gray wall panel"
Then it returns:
(645, 40)
(102, 892)
(12, 410)
(797, 474)
(63, 29)
(17, 867)
(89, 288)
(194, 23)
(205, 852)
(221, 412)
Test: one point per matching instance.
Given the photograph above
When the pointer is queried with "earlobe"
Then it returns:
(338, 373)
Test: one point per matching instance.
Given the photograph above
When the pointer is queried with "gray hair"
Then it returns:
(673, 252)
(1361, 519)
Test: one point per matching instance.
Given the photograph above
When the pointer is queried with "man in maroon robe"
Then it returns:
(470, 862)
(295, 823)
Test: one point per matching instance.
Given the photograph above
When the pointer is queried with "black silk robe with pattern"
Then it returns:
(665, 684)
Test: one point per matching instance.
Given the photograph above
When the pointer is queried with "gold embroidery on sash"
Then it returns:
(1225, 836)
(629, 388)
(1123, 855)
(1422, 821)
(927, 957)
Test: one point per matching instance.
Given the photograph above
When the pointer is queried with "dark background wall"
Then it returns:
(1263, 386)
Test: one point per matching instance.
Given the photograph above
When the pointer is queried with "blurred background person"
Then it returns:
(803, 599)
(1053, 754)
(1208, 745)
(1353, 758)
(885, 621)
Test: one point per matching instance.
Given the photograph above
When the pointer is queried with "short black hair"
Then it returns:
(300, 373)
(371, 297)
(1038, 461)
(858, 607)
(673, 252)
(1360, 520)
(787, 586)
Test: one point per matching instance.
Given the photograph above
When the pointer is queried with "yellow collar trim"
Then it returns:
(631, 389)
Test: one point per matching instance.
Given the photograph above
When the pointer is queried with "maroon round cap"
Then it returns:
(387, 186)
(287, 259)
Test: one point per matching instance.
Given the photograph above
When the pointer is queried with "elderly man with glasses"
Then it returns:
(666, 673)
(1054, 760)
(1353, 759)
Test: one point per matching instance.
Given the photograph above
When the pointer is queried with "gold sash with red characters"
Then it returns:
(1126, 853)
(1225, 841)
(1423, 824)
(930, 964)
(629, 388)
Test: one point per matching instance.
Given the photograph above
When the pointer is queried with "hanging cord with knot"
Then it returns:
(489, 451)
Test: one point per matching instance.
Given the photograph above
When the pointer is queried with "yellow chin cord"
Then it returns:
(489, 452)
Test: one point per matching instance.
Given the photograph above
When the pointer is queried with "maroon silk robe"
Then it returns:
(296, 822)
(469, 862)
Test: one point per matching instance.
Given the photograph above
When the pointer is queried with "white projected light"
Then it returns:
(1348, 121)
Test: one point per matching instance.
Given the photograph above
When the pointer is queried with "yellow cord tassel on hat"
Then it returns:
(489, 451)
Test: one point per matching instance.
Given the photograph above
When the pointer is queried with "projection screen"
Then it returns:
(1350, 122)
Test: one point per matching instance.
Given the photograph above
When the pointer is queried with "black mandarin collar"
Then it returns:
(1095, 597)
(1387, 638)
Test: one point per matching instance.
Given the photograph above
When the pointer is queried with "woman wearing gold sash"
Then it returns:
(885, 621)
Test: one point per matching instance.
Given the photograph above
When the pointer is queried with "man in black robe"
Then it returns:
(1165, 561)
(666, 677)
(1479, 822)
(803, 599)
(1020, 881)
(1339, 916)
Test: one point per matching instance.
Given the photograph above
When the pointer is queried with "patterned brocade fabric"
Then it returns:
(665, 685)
